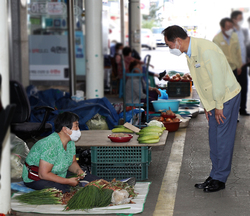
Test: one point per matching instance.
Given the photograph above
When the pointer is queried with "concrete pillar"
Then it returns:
(71, 43)
(122, 7)
(5, 192)
(94, 54)
(18, 40)
(135, 25)
(25, 72)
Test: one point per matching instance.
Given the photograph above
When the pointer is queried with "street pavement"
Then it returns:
(234, 199)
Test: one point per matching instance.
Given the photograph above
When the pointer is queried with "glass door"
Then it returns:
(48, 41)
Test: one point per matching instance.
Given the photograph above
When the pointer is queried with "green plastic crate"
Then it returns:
(178, 89)
(149, 155)
(120, 171)
(119, 155)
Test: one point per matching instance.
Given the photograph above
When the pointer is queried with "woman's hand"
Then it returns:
(75, 168)
(80, 173)
(73, 181)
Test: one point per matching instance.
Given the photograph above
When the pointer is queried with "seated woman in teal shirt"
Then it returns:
(55, 155)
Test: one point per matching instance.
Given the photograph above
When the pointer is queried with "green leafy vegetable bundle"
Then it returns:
(41, 197)
(89, 197)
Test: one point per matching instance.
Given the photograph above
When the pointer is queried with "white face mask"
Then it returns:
(229, 32)
(76, 134)
(175, 51)
(240, 23)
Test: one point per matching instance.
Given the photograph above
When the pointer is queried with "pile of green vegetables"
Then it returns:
(48, 196)
(121, 129)
(89, 197)
(95, 194)
(150, 134)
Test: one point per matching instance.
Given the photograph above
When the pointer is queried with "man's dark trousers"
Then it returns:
(243, 80)
(221, 139)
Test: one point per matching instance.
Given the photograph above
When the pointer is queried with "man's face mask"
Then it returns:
(175, 51)
(229, 32)
(240, 23)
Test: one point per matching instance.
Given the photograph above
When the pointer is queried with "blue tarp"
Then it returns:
(62, 102)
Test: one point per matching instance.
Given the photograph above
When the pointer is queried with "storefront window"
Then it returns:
(48, 40)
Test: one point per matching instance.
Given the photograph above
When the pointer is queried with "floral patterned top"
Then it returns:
(50, 149)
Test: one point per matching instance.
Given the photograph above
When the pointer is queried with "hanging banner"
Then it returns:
(48, 56)
(51, 8)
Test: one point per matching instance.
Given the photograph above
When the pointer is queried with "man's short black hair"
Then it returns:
(224, 20)
(126, 51)
(65, 119)
(172, 32)
(118, 45)
(236, 13)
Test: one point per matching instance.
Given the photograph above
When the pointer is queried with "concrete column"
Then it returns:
(24, 46)
(71, 42)
(122, 22)
(135, 25)
(18, 40)
(94, 54)
(5, 192)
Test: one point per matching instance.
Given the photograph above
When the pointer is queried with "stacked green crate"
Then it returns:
(120, 162)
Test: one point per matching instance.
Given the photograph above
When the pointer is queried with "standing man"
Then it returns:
(219, 93)
(228, 41)
(237, 19)
(248, 45)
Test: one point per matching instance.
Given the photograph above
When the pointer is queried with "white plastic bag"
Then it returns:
(97, 122)
(155, 123)
(120, 197)
(79, 96)
(16, 166)
(19, 152)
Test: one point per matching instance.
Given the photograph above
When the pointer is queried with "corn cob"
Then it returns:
(150, 141)
(149, 137)
(122, 130)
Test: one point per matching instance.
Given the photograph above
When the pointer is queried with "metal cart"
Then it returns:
(141, 76)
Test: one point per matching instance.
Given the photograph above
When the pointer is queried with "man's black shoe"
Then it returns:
(244, 113)
(162, 74)
(204, 184)
(214, 185)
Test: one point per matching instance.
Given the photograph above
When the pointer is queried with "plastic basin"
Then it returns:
(168, 116)
(172, 126)
(120, 139)
(163, 105)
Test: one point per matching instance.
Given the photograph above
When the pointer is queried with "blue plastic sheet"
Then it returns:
(62, 102)
(129, 114)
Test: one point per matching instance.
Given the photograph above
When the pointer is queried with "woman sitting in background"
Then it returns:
(139, 89)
